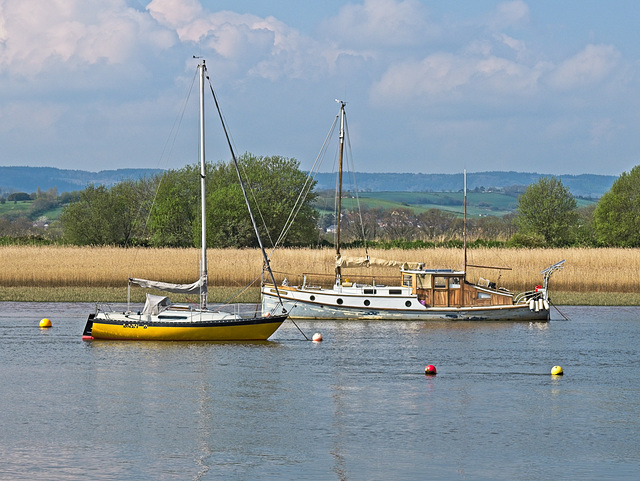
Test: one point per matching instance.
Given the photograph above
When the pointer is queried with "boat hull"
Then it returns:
(136, 327)
(326, 306)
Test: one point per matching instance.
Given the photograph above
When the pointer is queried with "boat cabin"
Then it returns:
(449, 288)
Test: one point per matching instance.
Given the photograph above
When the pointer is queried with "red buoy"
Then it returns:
(430, 370)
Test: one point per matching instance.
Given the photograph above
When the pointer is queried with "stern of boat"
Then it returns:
(86, 334)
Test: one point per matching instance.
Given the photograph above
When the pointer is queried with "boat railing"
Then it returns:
(525, 297)
(311, 280)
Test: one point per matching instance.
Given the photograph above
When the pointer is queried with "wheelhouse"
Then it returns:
(449, 288)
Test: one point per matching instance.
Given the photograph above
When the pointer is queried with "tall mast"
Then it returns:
(203, 198)
(464, 235)
(339, 193)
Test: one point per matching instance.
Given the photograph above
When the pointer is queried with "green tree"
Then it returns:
(548, 210)
(617, 216)
(437, 224)
(273, 185)
(175, 212)
(106, 216)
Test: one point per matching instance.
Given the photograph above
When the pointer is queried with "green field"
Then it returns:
(22, 209)
(478, 203)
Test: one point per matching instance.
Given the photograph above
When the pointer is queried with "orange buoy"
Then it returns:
(430, 370)
(45, 323)
(317, 337)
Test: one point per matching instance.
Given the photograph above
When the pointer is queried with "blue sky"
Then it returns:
(432, 87)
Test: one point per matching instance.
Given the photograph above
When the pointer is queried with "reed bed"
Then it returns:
(586, 271)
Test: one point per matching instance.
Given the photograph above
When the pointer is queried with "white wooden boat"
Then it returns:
(420, 294)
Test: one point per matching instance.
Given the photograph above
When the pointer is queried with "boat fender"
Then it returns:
(545, 303)
(536, 305)
(531, 304)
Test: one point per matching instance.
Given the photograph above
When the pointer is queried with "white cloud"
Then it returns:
(265, 47)
(510, 14)
(175, 13)
(380, 22)
(445, 77)
(593, 64)
(34, 34)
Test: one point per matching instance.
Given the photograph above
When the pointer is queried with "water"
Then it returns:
(355, 407)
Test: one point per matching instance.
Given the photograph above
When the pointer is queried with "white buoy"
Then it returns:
(317, 337)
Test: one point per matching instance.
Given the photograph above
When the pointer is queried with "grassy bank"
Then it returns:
(92, 274)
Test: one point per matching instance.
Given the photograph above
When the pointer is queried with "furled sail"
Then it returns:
(200, 286)
(345, 261)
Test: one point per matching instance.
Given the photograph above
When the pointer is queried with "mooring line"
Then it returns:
(556, 307)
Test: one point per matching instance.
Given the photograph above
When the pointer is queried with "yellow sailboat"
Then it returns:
(160, 320)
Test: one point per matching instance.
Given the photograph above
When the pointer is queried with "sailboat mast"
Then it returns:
(339, 193)
(203, 198)
(465, 221)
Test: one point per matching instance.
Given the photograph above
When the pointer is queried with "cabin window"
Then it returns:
(408, 303)
(369, 291)
(407, 280)
(395, 291)
(312, 298)
(340, 301)
(440, 282)
(367, 302)
(454, 282)
(423, 281)
(484, 295)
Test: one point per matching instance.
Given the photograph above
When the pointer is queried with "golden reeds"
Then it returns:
(586, 270)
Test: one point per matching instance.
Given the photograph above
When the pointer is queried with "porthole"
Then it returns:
(367, 302)
(313, 298)
(340, 301)
(408, 303)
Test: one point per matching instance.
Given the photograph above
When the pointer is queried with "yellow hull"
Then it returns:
(238, 330)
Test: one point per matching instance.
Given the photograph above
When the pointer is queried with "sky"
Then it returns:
(541, 86)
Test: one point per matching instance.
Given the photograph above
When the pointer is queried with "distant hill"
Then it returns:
(585, 185)
(29, 179)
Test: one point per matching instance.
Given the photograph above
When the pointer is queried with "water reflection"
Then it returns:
(356, 406)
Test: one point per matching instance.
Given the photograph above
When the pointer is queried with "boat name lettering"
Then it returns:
(133, 325)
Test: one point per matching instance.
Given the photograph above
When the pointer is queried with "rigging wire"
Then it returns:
(306, 188)
(167, 151)
(235, 161)
(355, 186)
(247, 182)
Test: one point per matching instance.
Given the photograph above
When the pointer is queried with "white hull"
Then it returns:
(344, 305)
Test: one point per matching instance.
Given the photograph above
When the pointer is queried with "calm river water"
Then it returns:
(356, 406)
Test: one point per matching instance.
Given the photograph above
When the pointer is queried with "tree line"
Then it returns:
(164, 211)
